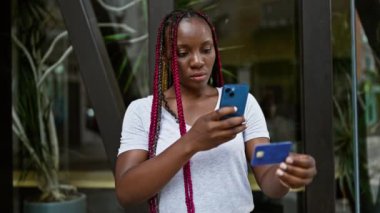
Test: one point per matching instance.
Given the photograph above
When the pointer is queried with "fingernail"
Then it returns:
(235, 108)
(279, 172)
(283, 166)
(289, 160)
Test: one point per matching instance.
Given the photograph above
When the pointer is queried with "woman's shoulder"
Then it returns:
(144, 100)
(251, 97)
(141, 104)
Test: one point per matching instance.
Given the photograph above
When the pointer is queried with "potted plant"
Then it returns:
(32, 109)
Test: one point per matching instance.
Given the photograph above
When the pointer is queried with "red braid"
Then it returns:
(153, 121)
(217, 69)
(181, 118)
(172, 21)
(156, 110)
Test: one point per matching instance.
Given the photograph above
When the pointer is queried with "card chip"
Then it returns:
(259, 154)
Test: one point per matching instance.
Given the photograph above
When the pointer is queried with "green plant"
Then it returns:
(32, 108)
(32, 111)
(343, 139)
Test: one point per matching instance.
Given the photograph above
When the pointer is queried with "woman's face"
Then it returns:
(195, 51)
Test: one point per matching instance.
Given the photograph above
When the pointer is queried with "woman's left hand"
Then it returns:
(297, 171)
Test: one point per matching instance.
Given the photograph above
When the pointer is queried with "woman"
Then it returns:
(177, 152)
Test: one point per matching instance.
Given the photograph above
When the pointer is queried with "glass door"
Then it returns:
(356, 105)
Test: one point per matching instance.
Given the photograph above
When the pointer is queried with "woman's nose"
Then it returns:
(196, 60)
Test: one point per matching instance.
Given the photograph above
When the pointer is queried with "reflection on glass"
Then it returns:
(257, 40)
(123, 25)
(368, 111)
(124, 28)
(369, 79)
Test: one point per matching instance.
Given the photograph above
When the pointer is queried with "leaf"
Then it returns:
(116, 37)
(123, 65)
(135, 68)
(229, 73)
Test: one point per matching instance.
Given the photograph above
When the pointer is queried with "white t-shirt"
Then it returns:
(219, 175)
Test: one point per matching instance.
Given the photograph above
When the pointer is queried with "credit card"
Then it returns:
(271, 153)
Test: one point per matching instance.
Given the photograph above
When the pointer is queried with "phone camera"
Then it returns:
(230, 92)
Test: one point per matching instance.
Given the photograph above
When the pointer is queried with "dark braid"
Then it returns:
(163, 80)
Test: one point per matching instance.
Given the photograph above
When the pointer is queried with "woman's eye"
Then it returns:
(182, 54)
(207, 50)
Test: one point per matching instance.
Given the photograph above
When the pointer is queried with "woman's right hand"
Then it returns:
(139, 178)
(210, 130)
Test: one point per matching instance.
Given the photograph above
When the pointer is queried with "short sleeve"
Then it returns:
(256, 124)
(134, 134)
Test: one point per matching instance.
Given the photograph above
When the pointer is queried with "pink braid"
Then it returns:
(153, 202)
(218, 75)
(181, 118)
(158, 90)
(153, 121)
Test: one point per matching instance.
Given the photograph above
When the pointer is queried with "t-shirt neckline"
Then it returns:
(219, 90)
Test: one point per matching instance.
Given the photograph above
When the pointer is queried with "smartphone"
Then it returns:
(234, 95)
(271, 153)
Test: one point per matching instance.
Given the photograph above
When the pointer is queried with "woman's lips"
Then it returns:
(198, 77)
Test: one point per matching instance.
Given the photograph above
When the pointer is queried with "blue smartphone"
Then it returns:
(234, 95)
(271, 153)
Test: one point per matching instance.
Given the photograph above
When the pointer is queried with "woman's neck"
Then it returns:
(190, 93)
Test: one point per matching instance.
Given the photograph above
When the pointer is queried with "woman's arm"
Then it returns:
(297, 171)
(266, 176)
(138, 179)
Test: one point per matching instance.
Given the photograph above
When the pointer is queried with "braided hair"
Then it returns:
(163, 79)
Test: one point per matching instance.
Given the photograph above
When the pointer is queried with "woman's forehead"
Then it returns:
(193, 27)
(191, 32)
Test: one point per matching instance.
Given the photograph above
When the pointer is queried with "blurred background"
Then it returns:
(260, 45)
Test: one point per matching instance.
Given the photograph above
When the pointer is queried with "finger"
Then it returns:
(231, 122)
(218, 114)
(292, 181)
(284, 184)
(298, 171)
(300, 160)
(230, 133)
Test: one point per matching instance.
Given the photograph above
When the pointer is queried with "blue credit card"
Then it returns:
(271, 153)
